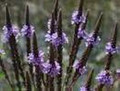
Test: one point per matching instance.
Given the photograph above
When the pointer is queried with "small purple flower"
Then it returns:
(83, 88)
(81, 69)
(8, 33)
(54, 69)
(27, 30)
(92, 40)
(2, 52)
(105, 77)
(34, 60)
(110, 49)
(55, 40)
(38, 61)
(46, 67)
(82, 33)
(77, 19)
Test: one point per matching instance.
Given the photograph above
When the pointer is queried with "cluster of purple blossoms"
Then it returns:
(8, 32)
(55, 40)
(82, 33)
(38, 61)
(79, 67)
(47, 68)
(54, 69)
(105, 77)
(76, 19)
(110, 49)
(27, 30)
(91, 40)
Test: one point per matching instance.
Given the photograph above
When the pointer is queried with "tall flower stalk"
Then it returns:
(38, 71)
(59, 49)
(10, 35)
(27, 32)
(52, 28)
(106, 71)
(76, 43)
(52, 53)
(80, 66)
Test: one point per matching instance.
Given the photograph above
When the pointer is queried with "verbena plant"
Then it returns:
(48, 74)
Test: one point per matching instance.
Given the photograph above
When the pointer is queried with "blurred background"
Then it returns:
(40, 12)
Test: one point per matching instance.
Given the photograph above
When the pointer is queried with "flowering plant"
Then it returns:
(48, 73)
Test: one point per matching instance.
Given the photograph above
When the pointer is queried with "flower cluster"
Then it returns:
(55, 40)
(90, 39)
(105, 77)
(54, 69)
(27, 30)
(82, 33)
(9, 31)
(38, 61)
(79, 67)
(47, 68)
(110, 49)
(76, 19)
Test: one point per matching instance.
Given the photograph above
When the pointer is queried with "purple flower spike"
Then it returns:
(55, 40)
(76, 19)
(82, 33)
(27, 30)
(54, 69)
(105, 77)
(81, 69)
(90, 40)
(8, 33)
(110, 49)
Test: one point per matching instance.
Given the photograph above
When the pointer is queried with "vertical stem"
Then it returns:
(75, 45)
(113, 41)
(6, 74)
(28, 82)
(12, 46)
(28, 42)
(52, 52)
(59, 49)
(38, 71)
